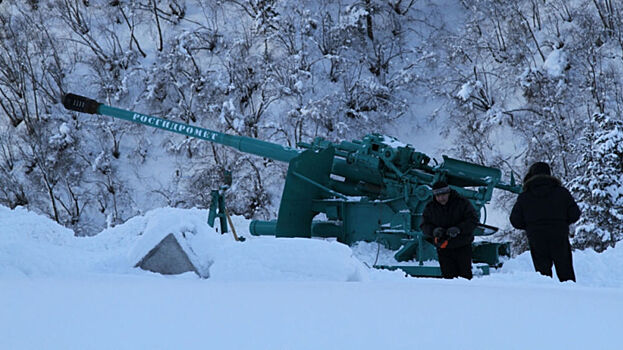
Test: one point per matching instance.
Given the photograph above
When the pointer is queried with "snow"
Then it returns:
(466, 90)
(59, 291)
(393, 142)
(555, 63)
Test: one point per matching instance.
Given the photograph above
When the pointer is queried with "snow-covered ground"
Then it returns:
(58, 291)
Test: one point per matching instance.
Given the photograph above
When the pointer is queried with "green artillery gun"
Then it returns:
(371, 190)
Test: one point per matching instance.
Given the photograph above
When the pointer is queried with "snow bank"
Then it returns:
(33, 245)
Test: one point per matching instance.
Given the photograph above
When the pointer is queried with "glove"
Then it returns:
(439, 243)
(453, 231)
(438, 232)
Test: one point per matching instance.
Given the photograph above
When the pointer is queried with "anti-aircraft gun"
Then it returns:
(372, 190)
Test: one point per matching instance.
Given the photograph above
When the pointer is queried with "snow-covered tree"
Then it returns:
(599, 188)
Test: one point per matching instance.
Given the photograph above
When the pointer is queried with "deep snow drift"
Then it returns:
(64, 292)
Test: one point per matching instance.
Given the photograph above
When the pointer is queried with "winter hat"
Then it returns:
(440, 187)
(538, 168)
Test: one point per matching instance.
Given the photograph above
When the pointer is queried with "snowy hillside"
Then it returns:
(64, 292)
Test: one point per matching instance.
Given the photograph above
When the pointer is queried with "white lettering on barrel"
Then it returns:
(169, 125)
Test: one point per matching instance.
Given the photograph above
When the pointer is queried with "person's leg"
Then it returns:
(447, 263)
(464, 261)
(563, 259)
(539, 251)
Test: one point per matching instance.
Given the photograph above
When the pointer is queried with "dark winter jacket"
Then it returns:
(457, 212)
(545, 207)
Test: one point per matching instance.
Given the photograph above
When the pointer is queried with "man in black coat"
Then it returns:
(545, 209)
(448, 222)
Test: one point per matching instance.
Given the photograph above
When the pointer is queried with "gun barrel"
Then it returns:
(242, 143)
(509, 187)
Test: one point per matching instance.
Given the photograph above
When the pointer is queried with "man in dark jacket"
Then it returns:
(545, 209)
(448, 221)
